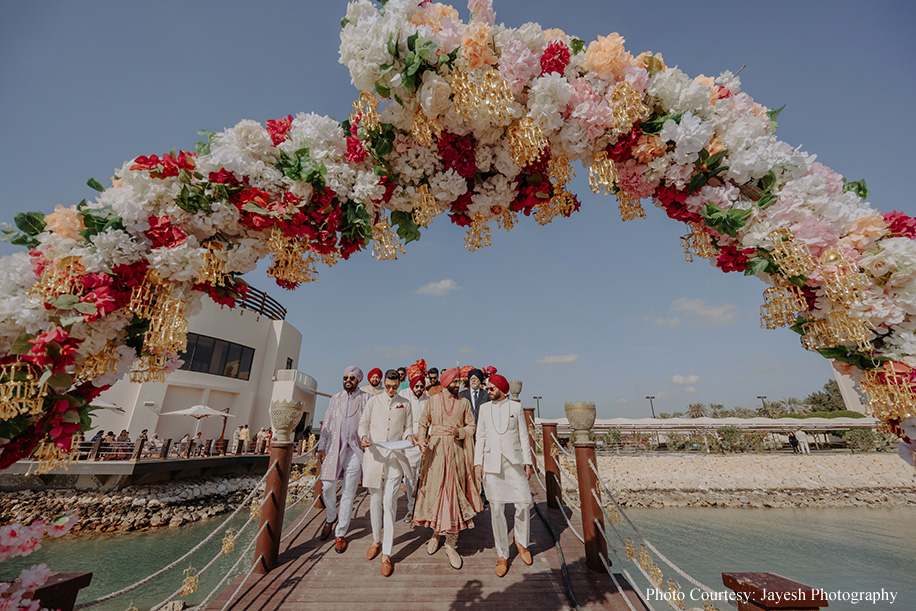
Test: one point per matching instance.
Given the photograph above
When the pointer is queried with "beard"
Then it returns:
(452, 389)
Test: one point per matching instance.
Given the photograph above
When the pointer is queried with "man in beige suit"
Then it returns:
(502, 460)
(387, 417)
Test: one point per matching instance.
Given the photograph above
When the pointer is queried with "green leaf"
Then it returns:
(12, 428)
(136, 329)
(858, 187)
(64, 302)
(697, 182)
(756, 265)
(773, 115)
(86, 308)
(344, 22)
(412, 41)
(383, 89)
(392, 46)
(654, 126)
(254, 208)
(94, 184)
(21, 344)
(68, 321)
(652, 64)
(61, 379)
(576, 45)
(407, 228)
(768, 182)
(766, 201)
(799, 281)
(715, 160)
(30, 223)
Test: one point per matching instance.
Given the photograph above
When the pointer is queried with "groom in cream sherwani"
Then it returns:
(502, 459)
(387, 417)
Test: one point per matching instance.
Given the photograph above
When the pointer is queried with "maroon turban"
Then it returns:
(448, 376)
(490, 370)
(374, 371)
(499, 382)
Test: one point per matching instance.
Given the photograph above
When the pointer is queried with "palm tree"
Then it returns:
(717, 410)
(677, 415)
(743, 412)
(696, 410)
(664, 415)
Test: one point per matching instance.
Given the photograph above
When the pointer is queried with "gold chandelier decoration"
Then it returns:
(841, 279)
(563, 202)
(629, 206)
(386, 246)
(478, 234)
(792, 257)
(526, 142)
(21, 390)
(698, 243)
(465, 94)
(145, 297)
(627, 109)
(47, 457)
(168, 328)
(365, 109)
(191, 582)
(60, 277)
(214, 270)
(229, 541)
(507, 219)
(837, 329)
(149, 368)
(602, 174)
(102, 362)
(781, 306)
(890, 392)
(486, 94)
(425, 207)
(425, 129)
(293, 261)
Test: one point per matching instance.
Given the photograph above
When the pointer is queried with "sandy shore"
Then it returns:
(758, 480)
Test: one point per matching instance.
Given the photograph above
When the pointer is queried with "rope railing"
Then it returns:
(642, 538)
(187, 555)
(232, 569)
(626, 573)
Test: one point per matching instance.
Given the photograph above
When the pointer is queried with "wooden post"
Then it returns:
(208, 447)
(268, 547)
(96, 447)
(595, 545)
(138, 450)
(164, 452)
(529, 424)
(61, 590)
(764, 591)
(551, 468)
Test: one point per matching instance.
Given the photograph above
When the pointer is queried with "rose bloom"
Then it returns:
(434, 94)
(65, 222)
(607, 57)
(862, 232)
(649, 147)
(475, 46)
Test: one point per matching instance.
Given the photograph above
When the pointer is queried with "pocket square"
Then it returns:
(399, 406)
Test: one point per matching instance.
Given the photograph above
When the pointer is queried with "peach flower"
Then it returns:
(643, 60)
(649, 147)
(432, 14)
(475, 46)
(715, 145)
(554, 33)
(862, 233)
(65, 222)
(607, 57)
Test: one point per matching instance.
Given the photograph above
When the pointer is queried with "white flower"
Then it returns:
(447, 186)
(547, 100)
(677, 92)
(729, 81)
(434, 94)
(179, 264)
(691, 135)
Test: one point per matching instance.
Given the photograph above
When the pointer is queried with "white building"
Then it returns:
(240, 360)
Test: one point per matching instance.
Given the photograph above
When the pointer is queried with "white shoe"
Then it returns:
(453, 558)
(432, 546)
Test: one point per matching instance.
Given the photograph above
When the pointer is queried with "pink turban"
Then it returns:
(448, 376)
(355, 371)
(499, 382)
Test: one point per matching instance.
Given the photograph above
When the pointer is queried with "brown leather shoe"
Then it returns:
(372, 552)
(327, 529)
(387, 567)
(502, 567)
(523, 553)
(340, 545)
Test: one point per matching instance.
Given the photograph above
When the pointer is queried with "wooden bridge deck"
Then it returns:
(312, 576)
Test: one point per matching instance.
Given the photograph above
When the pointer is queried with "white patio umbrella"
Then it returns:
(197, 412)
(107, 405)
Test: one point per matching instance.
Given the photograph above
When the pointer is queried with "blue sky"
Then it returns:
(587, 308)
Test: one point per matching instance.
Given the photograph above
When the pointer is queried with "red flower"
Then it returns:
(356, 152)
(555, 58)
(731, 259)
(620, 150)
(225, 177)
(277, 129)
(723, 93)
(900, 224)
(673, 202)
(161, 232)
(165, 167)
(457, 153)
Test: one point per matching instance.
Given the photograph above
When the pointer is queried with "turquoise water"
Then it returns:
(847, 550)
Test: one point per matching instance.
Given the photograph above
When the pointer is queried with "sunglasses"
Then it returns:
(349, 378)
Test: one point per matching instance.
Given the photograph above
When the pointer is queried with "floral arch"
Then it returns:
(481, 123)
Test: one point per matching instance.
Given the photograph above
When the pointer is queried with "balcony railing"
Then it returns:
(262, 304)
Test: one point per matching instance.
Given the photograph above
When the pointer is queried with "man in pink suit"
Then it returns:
(341, 455)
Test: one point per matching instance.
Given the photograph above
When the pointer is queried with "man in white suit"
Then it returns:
(387, 417)
(502, 460)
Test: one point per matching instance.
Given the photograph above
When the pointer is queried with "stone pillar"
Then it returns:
(551, 468)
(595, 545)
(765, 591)
(284, 416)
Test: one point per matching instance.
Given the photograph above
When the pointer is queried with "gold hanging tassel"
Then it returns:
(506, 219)
(424, 129)
(478, 234)
(425, 207)
(781, 305)
(168, 328)
(47, 457)
(229, 541)
(495, 98)
(365, 110)
(329, 258)
(191, 582)
(836, 329)
(21, 392)
(841, 279)
(526, 142)
(890, 392)
(293, 262)
(386, 246)
(104, 361)
(629, 548)
(145, 297)
(602, 174)
(465, 94)
(697, 243)
(149, 368)
(255, 511)
(60, 277)
(674, 594)
(214, 268)
(629, 207)
(792, 257)
(627, 109)
(560, 171)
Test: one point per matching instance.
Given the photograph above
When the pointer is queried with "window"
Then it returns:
(218, 357)
(289, 363)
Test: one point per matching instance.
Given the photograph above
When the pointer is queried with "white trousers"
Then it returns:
(383, 506)
(522, 526)
(805, 449)
(353, 466)
(410, 478)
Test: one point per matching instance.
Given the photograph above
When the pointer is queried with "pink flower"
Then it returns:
(62, 524)
(900, 224)
(34, 577)
(637, 77)
(356, 152)
(482, 11)
(161, 232)
(833, 180)
(518, 65)
(631, 180)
